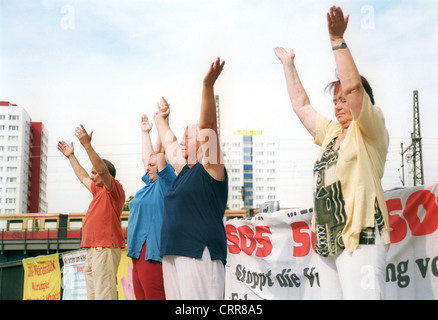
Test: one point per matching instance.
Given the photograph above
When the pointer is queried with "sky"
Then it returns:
(104, 63)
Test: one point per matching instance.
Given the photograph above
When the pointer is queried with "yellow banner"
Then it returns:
(249, 132)
(124, 277)
(42, 278)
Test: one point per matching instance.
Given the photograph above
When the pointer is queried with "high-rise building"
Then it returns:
(23, 161)
(37, 186)
(251, 165)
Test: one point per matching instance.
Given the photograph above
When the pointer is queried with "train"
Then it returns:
(59, 225)
(46, 225)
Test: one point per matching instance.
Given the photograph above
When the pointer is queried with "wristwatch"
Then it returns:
(342, 45)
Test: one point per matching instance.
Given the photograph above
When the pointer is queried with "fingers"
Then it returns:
(61, 145)
(80, 130)
(283, 55)
(213, 72)
(336, 15)
(83, 136)
(65, 148)
(163, 104)
(164, 101)
(219, 65)
(346, 20)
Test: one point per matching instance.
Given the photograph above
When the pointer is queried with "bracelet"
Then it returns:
(342, 45)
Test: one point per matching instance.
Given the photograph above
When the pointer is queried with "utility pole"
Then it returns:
(416, 143)
(414, 151)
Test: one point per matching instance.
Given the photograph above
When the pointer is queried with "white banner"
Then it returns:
(73, 280)
(271, 255)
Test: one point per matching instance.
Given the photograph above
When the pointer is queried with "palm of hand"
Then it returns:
(66, 150)
(145, 125)
(284, 55)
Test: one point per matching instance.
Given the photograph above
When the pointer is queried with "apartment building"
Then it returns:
(23, 161)
(251, 165)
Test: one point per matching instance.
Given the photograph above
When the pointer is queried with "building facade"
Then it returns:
(23, 161)
(251, 165)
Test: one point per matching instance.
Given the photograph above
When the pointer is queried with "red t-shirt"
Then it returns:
(102, 226)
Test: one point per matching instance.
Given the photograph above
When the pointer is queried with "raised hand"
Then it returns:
(83, 136)
(337, 24)
(145, 125)
(163, 107)
(214, 72)
(283, 55)
(163, 110)
(66, 150)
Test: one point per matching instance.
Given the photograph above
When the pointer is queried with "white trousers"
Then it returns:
(193, 279)
(358, 275)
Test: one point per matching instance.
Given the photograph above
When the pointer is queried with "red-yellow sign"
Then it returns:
(42, 278)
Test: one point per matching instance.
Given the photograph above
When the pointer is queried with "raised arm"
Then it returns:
(146, 144)
(347, 72)
(169, 142)
(163, 106)
(96, 161)
(298, 96)
(209, 139)
(68, 151)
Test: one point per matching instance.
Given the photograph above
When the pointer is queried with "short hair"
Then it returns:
(332, 86)
(110, 167)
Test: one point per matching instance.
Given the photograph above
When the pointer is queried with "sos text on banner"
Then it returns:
(271, 255)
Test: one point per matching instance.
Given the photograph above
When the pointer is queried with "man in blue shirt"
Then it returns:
(146, 217)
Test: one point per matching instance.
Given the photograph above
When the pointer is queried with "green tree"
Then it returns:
(126, 205)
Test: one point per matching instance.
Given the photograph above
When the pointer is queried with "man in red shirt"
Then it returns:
(101, 230)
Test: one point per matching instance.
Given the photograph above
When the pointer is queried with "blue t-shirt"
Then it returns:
(146, 215)
(194, 207)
